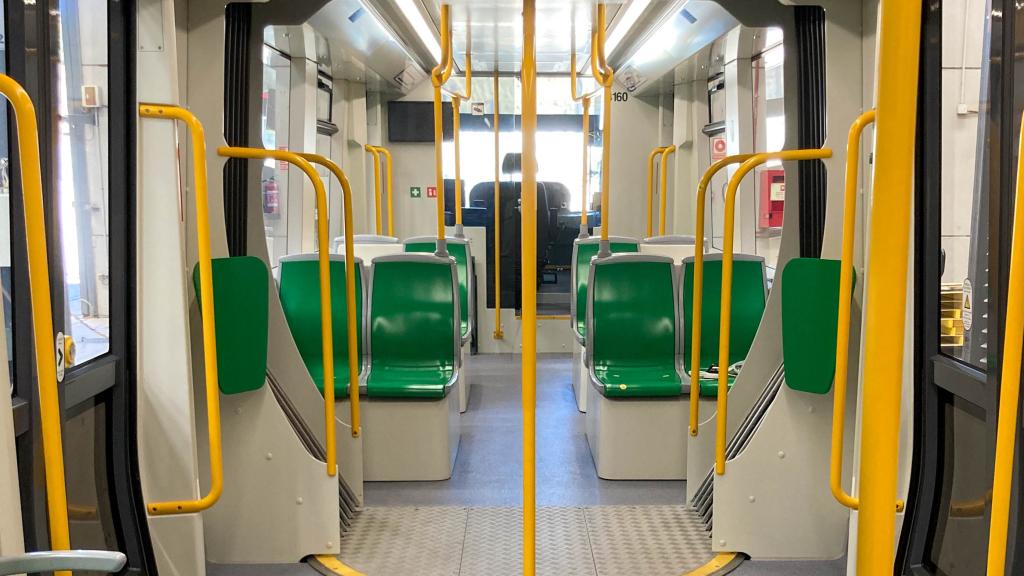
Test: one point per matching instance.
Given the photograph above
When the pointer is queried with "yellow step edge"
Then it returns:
(720, 561)
(334, 565)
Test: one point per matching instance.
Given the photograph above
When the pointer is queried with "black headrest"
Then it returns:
(512, 164)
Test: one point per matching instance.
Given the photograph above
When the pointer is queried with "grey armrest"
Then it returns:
(94, 560)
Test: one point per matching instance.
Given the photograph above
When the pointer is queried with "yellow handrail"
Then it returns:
(885, 291)
(656, 153)
(206, 313)
(457, 99)
(664, 186)
(42, 319)
(585, 208)
(390, 188)
(498, 334)
(726, 306)
(350, 286)
(438, 76)
(698, 285)
(376, 183)
(529, 287)
(326, 319)
(1009, 386)
(606, 77)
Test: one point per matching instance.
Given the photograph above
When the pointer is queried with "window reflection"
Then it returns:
(5, 208)
(276, 84)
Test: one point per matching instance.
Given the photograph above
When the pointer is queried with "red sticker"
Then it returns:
(431, 191)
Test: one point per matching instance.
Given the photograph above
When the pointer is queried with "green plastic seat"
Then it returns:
(631, 319)
(458, 248)
(299, 289)
(748, 303)
(240, 313)
(583, 251)
(414, 335)
(810, 317)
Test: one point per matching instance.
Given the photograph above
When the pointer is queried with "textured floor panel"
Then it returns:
(494, 543)
(649, 540)
(402, 541)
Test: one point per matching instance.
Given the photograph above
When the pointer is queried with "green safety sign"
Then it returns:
(415, 192)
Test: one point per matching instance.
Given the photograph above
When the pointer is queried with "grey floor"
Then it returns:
(488, 469)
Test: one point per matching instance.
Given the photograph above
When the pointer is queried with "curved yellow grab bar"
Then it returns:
(528, 263)
(390, 188)
(206, 313)
(698, 284)
(606, 77)
(438, 76)
(457, 99)
(726, 309)
(498, 334)
(326, 323)
(585, 208)
(656, 153)
(376, 183)
(42, 318)
(670, 149)
(843, 325)
(350, 287)
(1009, 387)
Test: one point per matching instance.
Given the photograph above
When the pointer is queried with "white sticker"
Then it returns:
(60, 356)
(967, 309)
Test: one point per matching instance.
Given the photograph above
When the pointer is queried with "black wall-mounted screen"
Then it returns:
(414, 121)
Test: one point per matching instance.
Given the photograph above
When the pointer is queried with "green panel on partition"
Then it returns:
(412, 328)
(810, 317)
(634, 328)
(585, 252)
(300, 300)
(458, 251)
(240, 299)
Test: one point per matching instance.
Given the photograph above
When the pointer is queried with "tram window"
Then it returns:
(716, 99)
(769, 135)
(5, 208)
(965, 186)
(81, 125)
(274, 178)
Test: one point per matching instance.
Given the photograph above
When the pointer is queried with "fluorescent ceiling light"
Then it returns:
(426, 34)
(623, 24)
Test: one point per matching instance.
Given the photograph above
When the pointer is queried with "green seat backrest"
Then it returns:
(810, 316)
(300, 298)
(412, 313)
(460, 253)
(633, 313)
(240, 313)
(748, 302)
(583, 253)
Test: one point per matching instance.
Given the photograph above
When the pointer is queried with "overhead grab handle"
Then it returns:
(196, 131)
(727, 262)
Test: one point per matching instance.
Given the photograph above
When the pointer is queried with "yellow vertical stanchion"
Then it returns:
(457, 99)
(664, 186)
(585, 186)
(529, 287)
(390, 189)
(438, 76)
(1009, 385)
(206, 313)
(350, 288)
(42, 319)
(698, 285)
(656, 153)
(498, 334)
(605, 77)
(376, 184)
(326, 319)
(721, 418)
(886, 281)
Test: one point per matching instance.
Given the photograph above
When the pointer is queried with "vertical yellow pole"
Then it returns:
(376, 184)
(390, 191)
(585, 208)
(42, 319)
(456, 110)
(1009, 387)
(529, 288)
(664, 186)
(498, 334)
(886, 281)
(650, 188)
(438, 77)
(607, 80)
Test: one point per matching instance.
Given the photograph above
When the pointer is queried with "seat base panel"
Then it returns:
(410, 440)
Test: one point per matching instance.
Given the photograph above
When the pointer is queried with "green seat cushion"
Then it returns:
(810, 317)
(633, 318)
(412, 327)
(460, 252)
(300, 298)
(709, 386)
(240, 311)
(585, 252)
(748, 302)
